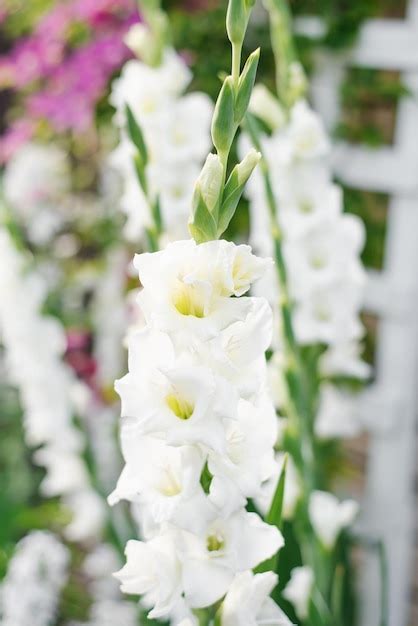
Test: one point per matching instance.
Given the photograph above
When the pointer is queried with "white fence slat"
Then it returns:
(389, 406)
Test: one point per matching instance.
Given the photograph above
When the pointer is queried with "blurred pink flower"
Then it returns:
(16, 135)
(62, 83)
(68, 101)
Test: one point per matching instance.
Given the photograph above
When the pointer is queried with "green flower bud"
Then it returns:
(138, 39)
(210, 181)
(247, 166)
(223, 125)
(245, 85)
(202, 226)
(236, 20)
(297, 81)
(234, 188)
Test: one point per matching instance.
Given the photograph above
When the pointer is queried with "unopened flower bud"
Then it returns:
(264, 105)
(138, 39)
(247, 165)
(210, 180)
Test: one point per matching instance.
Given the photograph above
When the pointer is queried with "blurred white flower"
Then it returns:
(35, 182)
(176, 129)
(299, 589)
(329, 516)
(265, 106)
(247, 602)
(336, 416)
(88, 514)
(36, 574)
(35, 346)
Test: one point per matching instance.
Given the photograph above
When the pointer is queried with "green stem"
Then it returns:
(297, 396)
(236, 63)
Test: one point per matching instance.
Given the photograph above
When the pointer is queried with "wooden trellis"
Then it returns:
(389, 406)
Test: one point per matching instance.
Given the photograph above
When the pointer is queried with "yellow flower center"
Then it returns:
(188, 300)
(215, 542)
(306, 206)
(318, 261)
(180, 406)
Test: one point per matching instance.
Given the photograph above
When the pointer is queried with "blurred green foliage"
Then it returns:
(23, 14)
(369, 100)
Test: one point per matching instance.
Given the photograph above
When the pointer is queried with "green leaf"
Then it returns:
(275, 514)
(206, 478)
(156, 214)
(135, 133)
(232, 195)
(274, 518)
(234, 188)
(319, 613)
(223, 125)
(245, 85)
(140, 172)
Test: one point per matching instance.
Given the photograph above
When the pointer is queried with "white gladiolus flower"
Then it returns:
(247, 602)
(266, 107)
(249, 457)
(299, 589)
(198, 429)
(87, 514)
(329, 315)
(176, 398)
(187, 288)
(176, 130)
(321, 244)
(344, 359)
(329, 516)
(225, 547)
(35, 182)
(161, 478)
(154, 571)
(35, 346)
(66, 471)
(108, 612)
(147, 89)
(30, 591)
(306, 133)
(336, 414)
(238, 358)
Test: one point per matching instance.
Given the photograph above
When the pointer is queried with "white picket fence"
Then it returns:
(389, 406)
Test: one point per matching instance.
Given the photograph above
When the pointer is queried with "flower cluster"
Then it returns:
(35, 345)
(63, 79)
(37, 572)
(321, 245)
(176, 129)
(108, 606)
(198, 433)
(35, 181)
